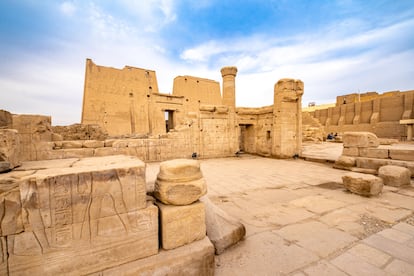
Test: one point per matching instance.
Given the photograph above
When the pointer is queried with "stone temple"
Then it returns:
(93, 199)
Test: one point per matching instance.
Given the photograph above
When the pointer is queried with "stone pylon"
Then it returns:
(287, 118)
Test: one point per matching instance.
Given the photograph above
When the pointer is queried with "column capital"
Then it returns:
(229, 70)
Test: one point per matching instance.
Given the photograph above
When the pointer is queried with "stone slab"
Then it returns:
(316, 237)
(354, 265)
(317, 204)
(393, 248)
(196, 258)
(398, 267)
(265, 253)
(181, 225)
(370, 254)
(324, 268)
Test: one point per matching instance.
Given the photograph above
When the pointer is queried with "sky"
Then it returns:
(335, 47)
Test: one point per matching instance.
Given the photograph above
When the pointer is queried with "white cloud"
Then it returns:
(67, 8)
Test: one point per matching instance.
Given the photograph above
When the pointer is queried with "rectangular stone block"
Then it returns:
(86, 247)
(360, 139)
(374, 153)
(181, 225)
(9, 148)
(370, 163)
(196, 258)
(400, 154)
(353, 151)
(78, 153)
(93, 144)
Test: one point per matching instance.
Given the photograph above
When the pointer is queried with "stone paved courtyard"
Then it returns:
(301, 221)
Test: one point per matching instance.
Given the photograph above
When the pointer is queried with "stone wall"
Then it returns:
(372, 112)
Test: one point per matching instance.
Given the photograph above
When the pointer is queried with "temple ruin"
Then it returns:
(76, 199)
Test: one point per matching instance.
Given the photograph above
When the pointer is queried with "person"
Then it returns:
(330, 136)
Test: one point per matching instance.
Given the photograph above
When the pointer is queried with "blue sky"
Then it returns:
(334, 47)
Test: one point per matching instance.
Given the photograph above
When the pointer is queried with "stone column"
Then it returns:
(287, 118)
(229, 99)
(229, 86)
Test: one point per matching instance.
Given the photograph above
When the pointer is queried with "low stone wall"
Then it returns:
(362, 152)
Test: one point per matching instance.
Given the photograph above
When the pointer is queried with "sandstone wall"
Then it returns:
(372, 112)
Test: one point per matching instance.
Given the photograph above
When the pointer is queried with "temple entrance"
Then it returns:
(247, 138)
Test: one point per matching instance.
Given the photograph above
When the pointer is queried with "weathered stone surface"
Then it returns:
(360, 139)
(394, 175)
(363, 184)
(181, 225)
(222, 229)
(374, 152)
(347, 151)
(180, 170)
(9, 149)
(78, 216)
(93, 144)
(401, 154)
(196, 258)
(179, 182)
(80, 132)
(345, 161)
(74, 144)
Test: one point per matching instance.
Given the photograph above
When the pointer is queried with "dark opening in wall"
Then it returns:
(169, 120)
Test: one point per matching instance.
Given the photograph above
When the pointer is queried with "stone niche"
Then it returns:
(76, 216)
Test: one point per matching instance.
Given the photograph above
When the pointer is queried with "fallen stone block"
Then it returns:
(179, 182)
(394, 175)
(222, 229)
(181, 225)
(354, 151)
(363, 184)
(360, 139)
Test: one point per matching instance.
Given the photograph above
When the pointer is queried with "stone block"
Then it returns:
(371, 163)
(9, 149)
(181, 225)
(222, 229)
(93, 144)
(345, 161)
(360, 139)
(85, 247)
(75, 144)
(179, 182)
(79, 217)
(394, 175)
(350, 151)
(363, 184)
(56, 137)
(196, 258)
(77, 153)
(374, 153)
(400, 154)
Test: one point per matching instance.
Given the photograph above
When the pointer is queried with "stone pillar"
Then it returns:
(287, 118)
(229, 99)
(229, 86)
